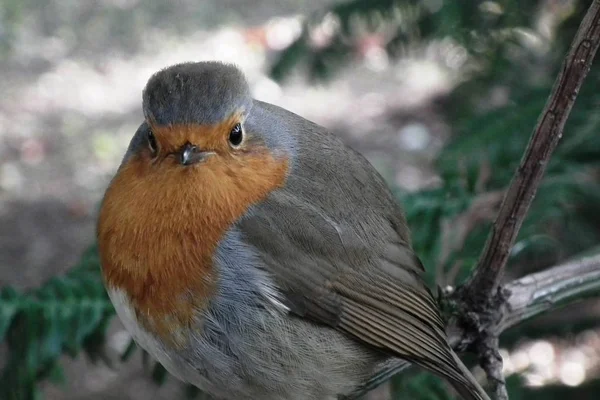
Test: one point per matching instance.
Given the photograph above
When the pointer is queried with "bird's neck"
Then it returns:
(159, 228)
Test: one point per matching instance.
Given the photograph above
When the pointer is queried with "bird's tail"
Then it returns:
(461, 379)
(465, 383)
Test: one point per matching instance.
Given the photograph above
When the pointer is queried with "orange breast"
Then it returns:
(159, 226)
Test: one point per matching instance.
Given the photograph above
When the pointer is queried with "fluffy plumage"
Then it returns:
(284, 267)
(159, 225)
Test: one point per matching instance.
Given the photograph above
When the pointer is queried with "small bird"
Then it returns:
(256, 256)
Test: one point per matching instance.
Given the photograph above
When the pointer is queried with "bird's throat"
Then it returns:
(159, 227)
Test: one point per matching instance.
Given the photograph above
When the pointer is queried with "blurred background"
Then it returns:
(441, 96)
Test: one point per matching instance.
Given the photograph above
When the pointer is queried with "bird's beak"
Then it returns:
(191, 154)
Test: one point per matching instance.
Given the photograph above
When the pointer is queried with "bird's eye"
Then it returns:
(152, 142)
(236, 135)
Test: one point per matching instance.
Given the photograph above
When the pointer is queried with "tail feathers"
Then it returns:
(469, 391)
(465, 384)
(460, 378)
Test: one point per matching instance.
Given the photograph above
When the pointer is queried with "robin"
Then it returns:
(256, 256)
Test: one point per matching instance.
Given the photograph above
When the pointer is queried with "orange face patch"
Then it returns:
(206, 137)
(160, 224)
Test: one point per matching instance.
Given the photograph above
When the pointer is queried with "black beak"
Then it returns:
(191, 154)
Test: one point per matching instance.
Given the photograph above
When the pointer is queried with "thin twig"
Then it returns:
(481, 295)
(544, 140)
(491, 362)
(528, 297)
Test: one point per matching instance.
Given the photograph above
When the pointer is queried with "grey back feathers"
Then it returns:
(195, 93)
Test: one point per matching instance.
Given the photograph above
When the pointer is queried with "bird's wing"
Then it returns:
(359, 276)
(336, 245)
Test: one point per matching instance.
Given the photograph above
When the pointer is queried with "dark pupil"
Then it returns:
(235, 137)
(152, 141)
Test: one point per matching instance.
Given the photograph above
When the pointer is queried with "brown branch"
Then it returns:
(488, 274)
(480, 296)
(540, 292)
(491, 362)
(529, 297)
(481, 304)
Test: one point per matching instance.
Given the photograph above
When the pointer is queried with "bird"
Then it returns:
(255, 255)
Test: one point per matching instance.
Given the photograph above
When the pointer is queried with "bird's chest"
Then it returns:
(249, 352)
(145, 339)
(245, 345)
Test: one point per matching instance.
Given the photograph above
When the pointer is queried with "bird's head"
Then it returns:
(197, 115)
(201, 158)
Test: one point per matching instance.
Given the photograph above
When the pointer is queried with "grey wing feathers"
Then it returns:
(326, 273)
(336, 244)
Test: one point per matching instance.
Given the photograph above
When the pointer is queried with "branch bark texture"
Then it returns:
(488, 274)
(485, 309)
(481, 296)
(540, 292)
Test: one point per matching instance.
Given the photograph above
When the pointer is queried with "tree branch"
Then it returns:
(529, 297)
(491, 362)
(554, 287)
(488, 274)
(480, 296)
(482, 306)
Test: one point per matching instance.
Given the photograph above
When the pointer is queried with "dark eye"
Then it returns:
(236, 135)
(152, 142)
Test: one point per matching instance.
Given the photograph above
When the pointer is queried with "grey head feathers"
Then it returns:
(195, 93)
(209, 92)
